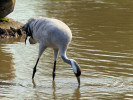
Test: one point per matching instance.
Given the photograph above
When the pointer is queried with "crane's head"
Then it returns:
(76, 69)
(28, 30)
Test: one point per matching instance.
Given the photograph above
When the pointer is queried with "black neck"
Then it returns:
(29, 32)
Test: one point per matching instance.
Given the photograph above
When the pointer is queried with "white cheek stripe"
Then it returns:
(73, 66)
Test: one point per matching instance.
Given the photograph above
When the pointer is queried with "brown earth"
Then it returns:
(10, 29)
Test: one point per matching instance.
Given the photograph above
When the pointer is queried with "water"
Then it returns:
(102, 45)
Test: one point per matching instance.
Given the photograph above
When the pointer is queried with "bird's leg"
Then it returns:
(55, 57)
(54, 70)
(41, 50)
(34, 69)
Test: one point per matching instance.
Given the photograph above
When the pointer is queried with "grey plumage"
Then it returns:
(51, 33)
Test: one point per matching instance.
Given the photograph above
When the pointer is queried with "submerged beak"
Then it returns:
(78, 79)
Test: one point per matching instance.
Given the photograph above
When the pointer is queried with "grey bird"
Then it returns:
(49, 32)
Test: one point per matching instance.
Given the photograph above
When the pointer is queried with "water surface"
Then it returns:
(102, 45)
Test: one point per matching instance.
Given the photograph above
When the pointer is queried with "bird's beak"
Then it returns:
(78, 79)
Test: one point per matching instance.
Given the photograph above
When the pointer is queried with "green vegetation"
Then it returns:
(3, 19)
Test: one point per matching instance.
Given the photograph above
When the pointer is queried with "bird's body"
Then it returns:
(51, 33)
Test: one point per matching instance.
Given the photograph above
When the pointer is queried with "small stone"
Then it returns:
(13, 29)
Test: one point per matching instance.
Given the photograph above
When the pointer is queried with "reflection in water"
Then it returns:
(6, 59)
(102, 44)
(76, 94)
(34, 84)
(6, 66)
(54, 90)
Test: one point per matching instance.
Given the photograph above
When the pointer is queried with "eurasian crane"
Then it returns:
(49, 32)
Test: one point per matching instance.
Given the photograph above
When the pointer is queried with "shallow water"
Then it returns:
(102, 45)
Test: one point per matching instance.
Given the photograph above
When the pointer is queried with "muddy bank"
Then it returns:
(10, 28)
